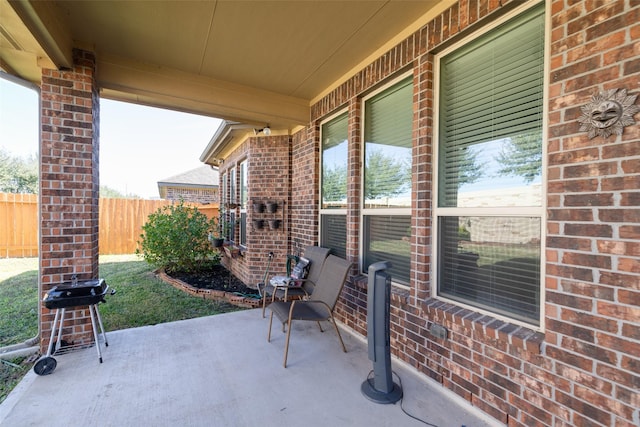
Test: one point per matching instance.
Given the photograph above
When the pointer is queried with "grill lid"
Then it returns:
(69, 294)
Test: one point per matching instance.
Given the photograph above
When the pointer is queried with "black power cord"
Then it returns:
(402, 400)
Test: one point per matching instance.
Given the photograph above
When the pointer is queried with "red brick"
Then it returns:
(618, 376)
(591, 230)
(620, 279)
(631, 331)
(584, 409)
(596, 261)
(589, 320)
(619, 215)
(617, 343)
(592, 351)
(581, 362)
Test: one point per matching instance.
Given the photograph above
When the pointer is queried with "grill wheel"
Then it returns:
(45, 365)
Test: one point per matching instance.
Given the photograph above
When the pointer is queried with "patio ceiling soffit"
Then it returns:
(32, 37)
(142, 83)
(129, 80)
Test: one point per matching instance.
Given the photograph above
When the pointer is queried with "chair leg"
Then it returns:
(284, 327)
(339, 336)
(320, 326)
(264, 301)
(273, 298)
(286, 345)
(270, 323)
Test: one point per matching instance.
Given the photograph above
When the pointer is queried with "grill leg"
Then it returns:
(59, 342)
(104, 335)
(95, 330)
(53, 332)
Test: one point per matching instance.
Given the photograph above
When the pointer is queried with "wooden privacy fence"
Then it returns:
(120, 225)
(18, 225)
(121, 222)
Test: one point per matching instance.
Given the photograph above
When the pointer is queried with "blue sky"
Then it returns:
(138, 145)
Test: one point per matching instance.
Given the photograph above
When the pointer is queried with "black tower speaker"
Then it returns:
(380, 388)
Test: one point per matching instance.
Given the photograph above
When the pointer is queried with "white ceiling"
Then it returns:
(249, 61)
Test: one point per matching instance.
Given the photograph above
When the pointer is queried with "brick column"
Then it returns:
(69, 186)
(354, 179)
(422, 171)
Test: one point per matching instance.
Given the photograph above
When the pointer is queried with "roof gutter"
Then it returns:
(226, 135)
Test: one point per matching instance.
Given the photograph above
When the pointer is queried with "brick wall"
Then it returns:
(304, 190)
(593, 230)
(69, 186)
(269, 179)
(190, 194)
(583, 368)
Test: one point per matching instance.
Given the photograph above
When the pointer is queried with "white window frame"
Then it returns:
(243, 202)
(233, 185)
(536, 211)
(224, 198)
(326, 211)
(377, 211)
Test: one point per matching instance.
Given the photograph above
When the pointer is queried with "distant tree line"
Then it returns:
(17, 174)
(20, 175)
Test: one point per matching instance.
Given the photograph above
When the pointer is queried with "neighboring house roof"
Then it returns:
(202, 177)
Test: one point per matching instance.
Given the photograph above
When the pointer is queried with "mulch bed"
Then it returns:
(215, 282)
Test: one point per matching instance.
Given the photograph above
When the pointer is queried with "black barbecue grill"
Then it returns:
(67, 295)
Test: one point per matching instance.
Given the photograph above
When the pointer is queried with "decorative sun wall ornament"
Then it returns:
(608, 113)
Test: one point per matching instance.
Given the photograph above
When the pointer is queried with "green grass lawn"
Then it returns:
(141, 299)
(18, 302)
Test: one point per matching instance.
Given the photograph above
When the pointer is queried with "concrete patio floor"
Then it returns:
(220, 371)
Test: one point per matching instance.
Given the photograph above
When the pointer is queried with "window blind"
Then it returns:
(493, 263)
(333, 233)
(388, 127)
(491, 89)
(334, 163)
(388, 238)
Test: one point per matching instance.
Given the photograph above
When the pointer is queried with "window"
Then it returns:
(386, 198)
(489, 155)
(225, 213)
(233, 196)
(243, 202)
(333, 214)
(224, 198)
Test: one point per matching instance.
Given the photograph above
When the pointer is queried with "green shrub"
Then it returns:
(176, 237)
(463, 233)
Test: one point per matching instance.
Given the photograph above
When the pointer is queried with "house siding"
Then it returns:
(269, 179)
(583, 367)
(190, 194)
